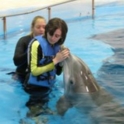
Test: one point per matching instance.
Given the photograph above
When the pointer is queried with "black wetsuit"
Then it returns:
(20, 57)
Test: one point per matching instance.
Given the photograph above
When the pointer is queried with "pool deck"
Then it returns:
(113, 38)
(116, 40)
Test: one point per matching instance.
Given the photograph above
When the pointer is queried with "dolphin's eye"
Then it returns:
(71, 82)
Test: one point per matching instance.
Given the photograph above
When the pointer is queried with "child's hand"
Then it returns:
(61, 56)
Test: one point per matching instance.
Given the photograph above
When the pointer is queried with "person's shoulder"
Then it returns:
(35, 43)
(25, 40)
(27, 37)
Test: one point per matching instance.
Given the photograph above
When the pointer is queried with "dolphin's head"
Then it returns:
(77, 76)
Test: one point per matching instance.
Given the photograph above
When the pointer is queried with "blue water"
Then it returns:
(95, 54)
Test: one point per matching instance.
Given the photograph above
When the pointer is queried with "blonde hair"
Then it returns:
(33, 23)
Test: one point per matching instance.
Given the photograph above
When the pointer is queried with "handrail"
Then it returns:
(46, 7)
(93, 8)
(38, 9)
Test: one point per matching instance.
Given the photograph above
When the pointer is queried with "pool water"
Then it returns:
(98, 55)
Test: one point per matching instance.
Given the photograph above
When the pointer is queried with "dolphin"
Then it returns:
(82, 91)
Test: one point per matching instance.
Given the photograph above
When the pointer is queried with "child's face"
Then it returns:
(52, 39)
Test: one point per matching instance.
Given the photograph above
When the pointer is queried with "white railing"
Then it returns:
(48, 7)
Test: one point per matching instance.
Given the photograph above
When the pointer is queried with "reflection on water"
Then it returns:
(101, 108)
(104, 60)
(112, 70)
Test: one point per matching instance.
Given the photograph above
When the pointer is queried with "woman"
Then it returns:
(45, 56)
(20, 56)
